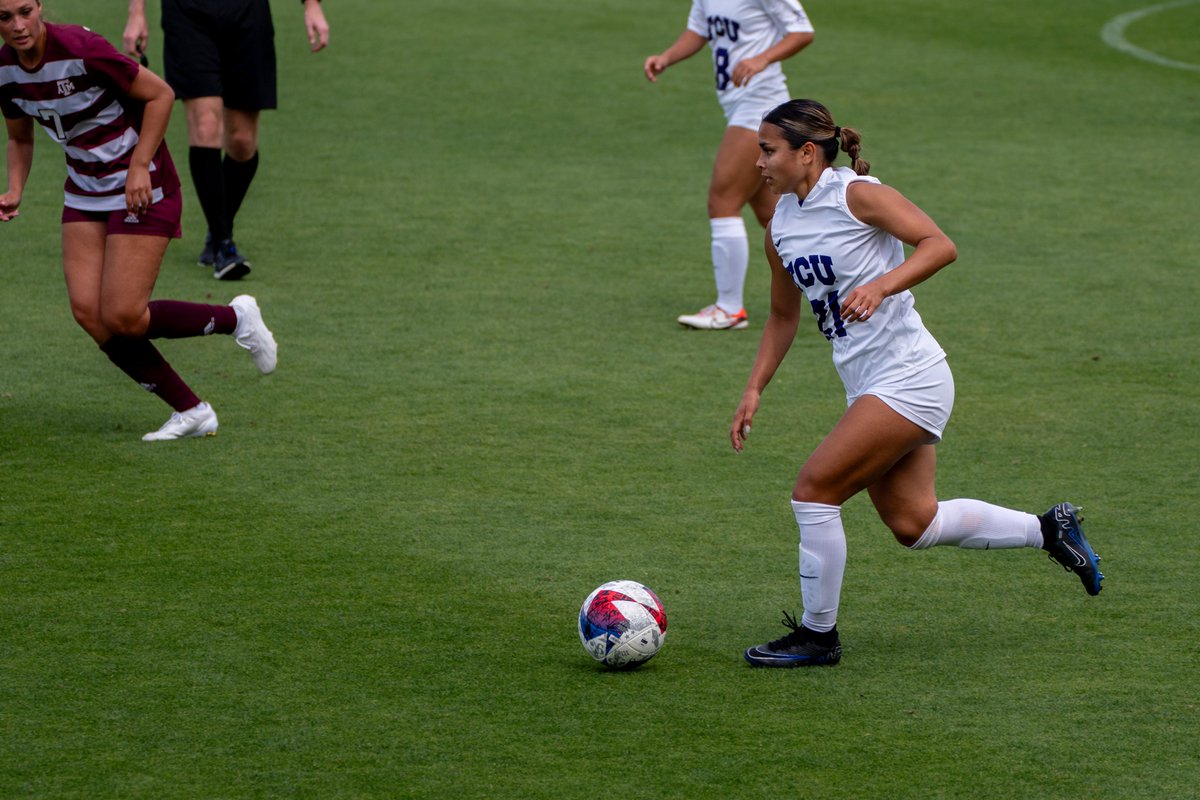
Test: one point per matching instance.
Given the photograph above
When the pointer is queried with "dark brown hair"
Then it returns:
(808, 121)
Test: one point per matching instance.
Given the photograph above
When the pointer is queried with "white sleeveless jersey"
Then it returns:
(740, 29)
(828, 251)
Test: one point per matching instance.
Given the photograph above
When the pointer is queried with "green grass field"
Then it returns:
(473, 228)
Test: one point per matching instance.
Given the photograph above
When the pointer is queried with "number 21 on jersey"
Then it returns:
(829, 310)
(808, 272)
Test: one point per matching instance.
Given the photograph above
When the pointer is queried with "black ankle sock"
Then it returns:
(824, 638)
(1049, 531)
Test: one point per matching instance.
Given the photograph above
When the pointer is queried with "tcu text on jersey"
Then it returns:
(723, 26)
(719, 27)
(808, 272)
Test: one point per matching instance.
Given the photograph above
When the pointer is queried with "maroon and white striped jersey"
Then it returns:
(80, 95)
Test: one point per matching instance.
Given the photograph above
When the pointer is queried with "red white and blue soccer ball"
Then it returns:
(622, 624)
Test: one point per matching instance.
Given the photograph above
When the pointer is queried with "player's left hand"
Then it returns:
(743, 71)
(862, 302)
(139, 193)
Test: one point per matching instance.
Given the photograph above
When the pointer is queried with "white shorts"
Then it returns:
(753, 102)
(925, 399)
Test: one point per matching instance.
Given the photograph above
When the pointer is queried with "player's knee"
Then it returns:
(906, 526)
(205, 130)
(123, 322)
(88, 318)
(241, 145)
(810, 490)
(723, 204)
(906, 536)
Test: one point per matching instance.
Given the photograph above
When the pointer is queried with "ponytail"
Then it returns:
(851, 144)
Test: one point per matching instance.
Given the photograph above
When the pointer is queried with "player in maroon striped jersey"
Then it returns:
(121, 201)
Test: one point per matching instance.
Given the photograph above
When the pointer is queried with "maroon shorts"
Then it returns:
(162, 218)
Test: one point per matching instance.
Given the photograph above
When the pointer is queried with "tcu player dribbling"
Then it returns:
(121, 204)
(748, 39)
(836, 249)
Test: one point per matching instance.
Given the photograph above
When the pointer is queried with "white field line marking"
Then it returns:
(1113, 35)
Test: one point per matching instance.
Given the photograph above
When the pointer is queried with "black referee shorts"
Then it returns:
(220, 48)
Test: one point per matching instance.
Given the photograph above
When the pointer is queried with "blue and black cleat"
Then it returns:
(1066, 544)
(799, 648)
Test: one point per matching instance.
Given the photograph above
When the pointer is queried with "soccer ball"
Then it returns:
(622, 624)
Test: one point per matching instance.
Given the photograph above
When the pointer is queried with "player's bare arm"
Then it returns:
(687, 45)
(889, 210)
(787, 47)
(137, 33)
(19, 157)
(158, 98)
(777, 337)
(316, 25)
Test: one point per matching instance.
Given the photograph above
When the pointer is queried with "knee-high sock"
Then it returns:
(822, 562)
(730, 257)
(238, 175)
(977, 525)
(176, 319)
(209, 180)
(140, 360)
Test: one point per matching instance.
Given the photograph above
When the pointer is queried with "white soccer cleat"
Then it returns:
(199, 420)
(714, 318)
(252, 333)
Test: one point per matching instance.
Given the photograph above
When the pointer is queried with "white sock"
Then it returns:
(977, 525)
(822, 562)
(730, 257)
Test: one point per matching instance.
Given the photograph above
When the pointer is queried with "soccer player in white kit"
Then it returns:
(748, 39)
(835, 246)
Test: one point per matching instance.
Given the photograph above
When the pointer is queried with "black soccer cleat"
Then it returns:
(799, 648)
(229, 264)
(1066, 544)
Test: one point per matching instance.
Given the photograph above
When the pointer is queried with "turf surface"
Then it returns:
(472, 230)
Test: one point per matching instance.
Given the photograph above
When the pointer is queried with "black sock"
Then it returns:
(824, 638)
(209, 180)
(1049, 530)
(238, 175)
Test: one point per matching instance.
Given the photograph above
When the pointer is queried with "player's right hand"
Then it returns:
(739, 429)
(654, 66)
(136, 35)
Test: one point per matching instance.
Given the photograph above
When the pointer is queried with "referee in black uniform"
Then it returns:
(219, 57)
